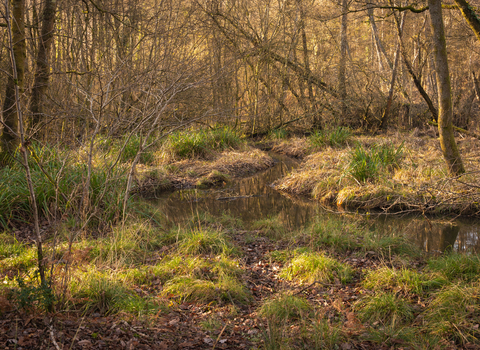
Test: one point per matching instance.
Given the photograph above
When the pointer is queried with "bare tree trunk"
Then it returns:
(416, 80)
(445, 115)
(42, 72)
(16, 109)
(378, 44)
(342, 67)
(9, 138)
(476, 85)
(394, 75)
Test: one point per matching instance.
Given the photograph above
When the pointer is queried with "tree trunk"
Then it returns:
(416, 80)
(342, 67)
(378, 44)
(445, 115)
(9, 138)
(42, 72)
(394, 75)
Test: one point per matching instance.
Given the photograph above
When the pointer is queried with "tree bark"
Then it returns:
(445, 115)
(342, 66)
(42, 72)
(378, 43)
(416, 79)
(470, 16)
(9, 138)
(394, 75)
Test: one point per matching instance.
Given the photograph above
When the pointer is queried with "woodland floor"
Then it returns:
(235, 325)
(181, 328)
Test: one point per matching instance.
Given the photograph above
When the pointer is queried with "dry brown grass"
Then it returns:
(421, 183)
(186, 173)
(295, 147)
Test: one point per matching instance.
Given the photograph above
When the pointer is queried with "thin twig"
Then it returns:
(52, 336)
(218, 338)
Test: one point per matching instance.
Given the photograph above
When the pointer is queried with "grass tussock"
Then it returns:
(385, 308)
(310, 266)
(403, 280)
(454, 314)
(398, 173)
(339, 234)
(200, 143)
(285, 308)
(204, 281)
(335, 137)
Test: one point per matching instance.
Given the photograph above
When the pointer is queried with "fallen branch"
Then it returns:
(463, 131)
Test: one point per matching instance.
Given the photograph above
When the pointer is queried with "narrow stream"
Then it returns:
(253, 198)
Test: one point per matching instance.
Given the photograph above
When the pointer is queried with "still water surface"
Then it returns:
(253, 198)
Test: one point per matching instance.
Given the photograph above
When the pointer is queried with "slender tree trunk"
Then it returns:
(445, 115)
(416, 79)
(394, 75)
(20, 137)
(378, 43)
(42, 72)
(342, 67)
(9, 138)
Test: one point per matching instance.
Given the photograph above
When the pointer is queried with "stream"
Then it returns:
(253, 198)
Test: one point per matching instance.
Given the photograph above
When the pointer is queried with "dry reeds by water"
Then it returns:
(397, 173)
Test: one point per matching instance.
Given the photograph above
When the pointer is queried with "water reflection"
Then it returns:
(250, 199)
(253, 199)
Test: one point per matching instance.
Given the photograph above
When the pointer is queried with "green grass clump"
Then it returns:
(200, 143)
(310, 267)
(324, 335)
(278, 134)
(457, 266)
(285, 308)
(402, 280)
(384, 307)
(16, 256)
(131, 145)
(454, 313)
(125, 245)
(108, 294)
(333, 232)
(221, 288)
(336, 137)
(367, 164)
(205, 241)
(270, 227)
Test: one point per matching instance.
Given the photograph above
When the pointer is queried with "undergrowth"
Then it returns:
(200, 143)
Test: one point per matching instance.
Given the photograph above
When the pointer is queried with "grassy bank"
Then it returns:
(398, 172)
(89, 183)
(332, 284)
